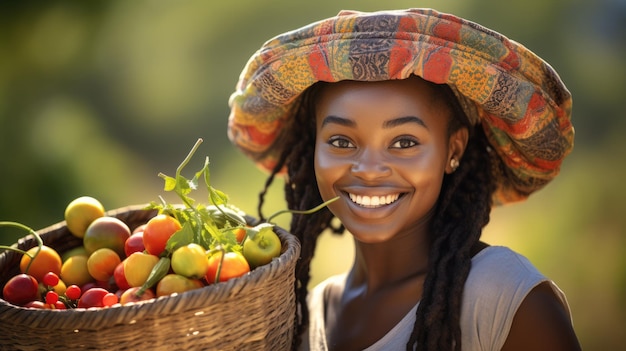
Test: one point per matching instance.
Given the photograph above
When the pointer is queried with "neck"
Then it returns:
(393, 262)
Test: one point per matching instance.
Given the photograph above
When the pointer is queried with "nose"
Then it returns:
(370, 164)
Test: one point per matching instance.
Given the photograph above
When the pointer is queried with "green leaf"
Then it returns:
(182, 185)
(198, 224)
(182, 237)
(217, 197)
(170, 183)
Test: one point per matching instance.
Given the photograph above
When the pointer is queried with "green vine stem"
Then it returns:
(30, 231)
(309, 211)
(219, 266)
(180, 169)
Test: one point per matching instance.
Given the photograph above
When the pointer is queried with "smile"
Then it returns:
(374, 201)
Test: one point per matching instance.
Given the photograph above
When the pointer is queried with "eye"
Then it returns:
(340, 142)
(404, 143)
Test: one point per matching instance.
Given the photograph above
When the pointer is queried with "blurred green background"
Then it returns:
(97, 97)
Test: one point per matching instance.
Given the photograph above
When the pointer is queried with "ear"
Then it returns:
(456, 147)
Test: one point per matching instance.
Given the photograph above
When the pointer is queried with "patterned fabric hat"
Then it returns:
(518, 98)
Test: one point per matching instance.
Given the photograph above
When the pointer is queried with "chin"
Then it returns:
(371, 236)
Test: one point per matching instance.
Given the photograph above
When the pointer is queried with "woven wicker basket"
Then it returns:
(253, 312)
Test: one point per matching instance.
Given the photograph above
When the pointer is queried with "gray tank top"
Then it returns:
(497, 284)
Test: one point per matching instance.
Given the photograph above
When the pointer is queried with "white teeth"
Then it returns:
(373, 201)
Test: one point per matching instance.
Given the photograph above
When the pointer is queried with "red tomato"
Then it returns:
(157, 232)
(57, 306)
(134, 243)
(51, 279)
(109, 299)
(92, 298)
(120, 277)
(234, 265)
(21, 289)
(73, 292)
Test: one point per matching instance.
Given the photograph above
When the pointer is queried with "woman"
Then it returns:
(419, 122)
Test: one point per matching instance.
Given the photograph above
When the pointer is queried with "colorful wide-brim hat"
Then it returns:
(518, 98)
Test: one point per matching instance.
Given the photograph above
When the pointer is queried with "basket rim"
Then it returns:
(195, 299)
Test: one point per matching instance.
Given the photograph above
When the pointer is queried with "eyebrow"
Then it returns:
(404, 120)
(338, 120)
(387, 124)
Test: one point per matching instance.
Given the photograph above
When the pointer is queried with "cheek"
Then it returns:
(429, 188)
(426, 177)
(326, 173)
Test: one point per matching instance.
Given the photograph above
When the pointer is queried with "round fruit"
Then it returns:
(59, 288)
(190, 261)
(46, 306)
(101, 264)
(73, 292)
(77, 251)
(157, 232)
(51, 297)
(120, 277)
(240, 234)
(90, 285)
(59, 305)
(137, 268)
(47, 260)
(80, 213)
(35, 304)
(233, 265)
(175, 283)
(139, 229)
(130, 295)
(106, 232)
(262, 247)
(50, 279)
(134, 243)
(109, 299)
(92, 298)
(21, 289)
(75, 271)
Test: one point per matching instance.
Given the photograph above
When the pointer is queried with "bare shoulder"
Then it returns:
(541, 323)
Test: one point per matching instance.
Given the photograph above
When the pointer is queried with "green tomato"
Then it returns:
(261, 245)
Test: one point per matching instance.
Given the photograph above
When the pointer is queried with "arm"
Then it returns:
(541, 323)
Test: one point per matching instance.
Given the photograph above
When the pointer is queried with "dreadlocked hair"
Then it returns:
(301, 193)
(463, 210)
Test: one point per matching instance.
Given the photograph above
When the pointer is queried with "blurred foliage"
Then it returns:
(97, 97)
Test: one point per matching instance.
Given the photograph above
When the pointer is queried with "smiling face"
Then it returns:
(384, 148)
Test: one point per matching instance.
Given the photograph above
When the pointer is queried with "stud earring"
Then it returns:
(454, 164)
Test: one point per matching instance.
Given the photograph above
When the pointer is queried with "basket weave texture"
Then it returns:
(253, 312)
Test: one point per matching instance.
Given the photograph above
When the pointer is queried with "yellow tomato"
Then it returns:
(175, 283)
(190, 261)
